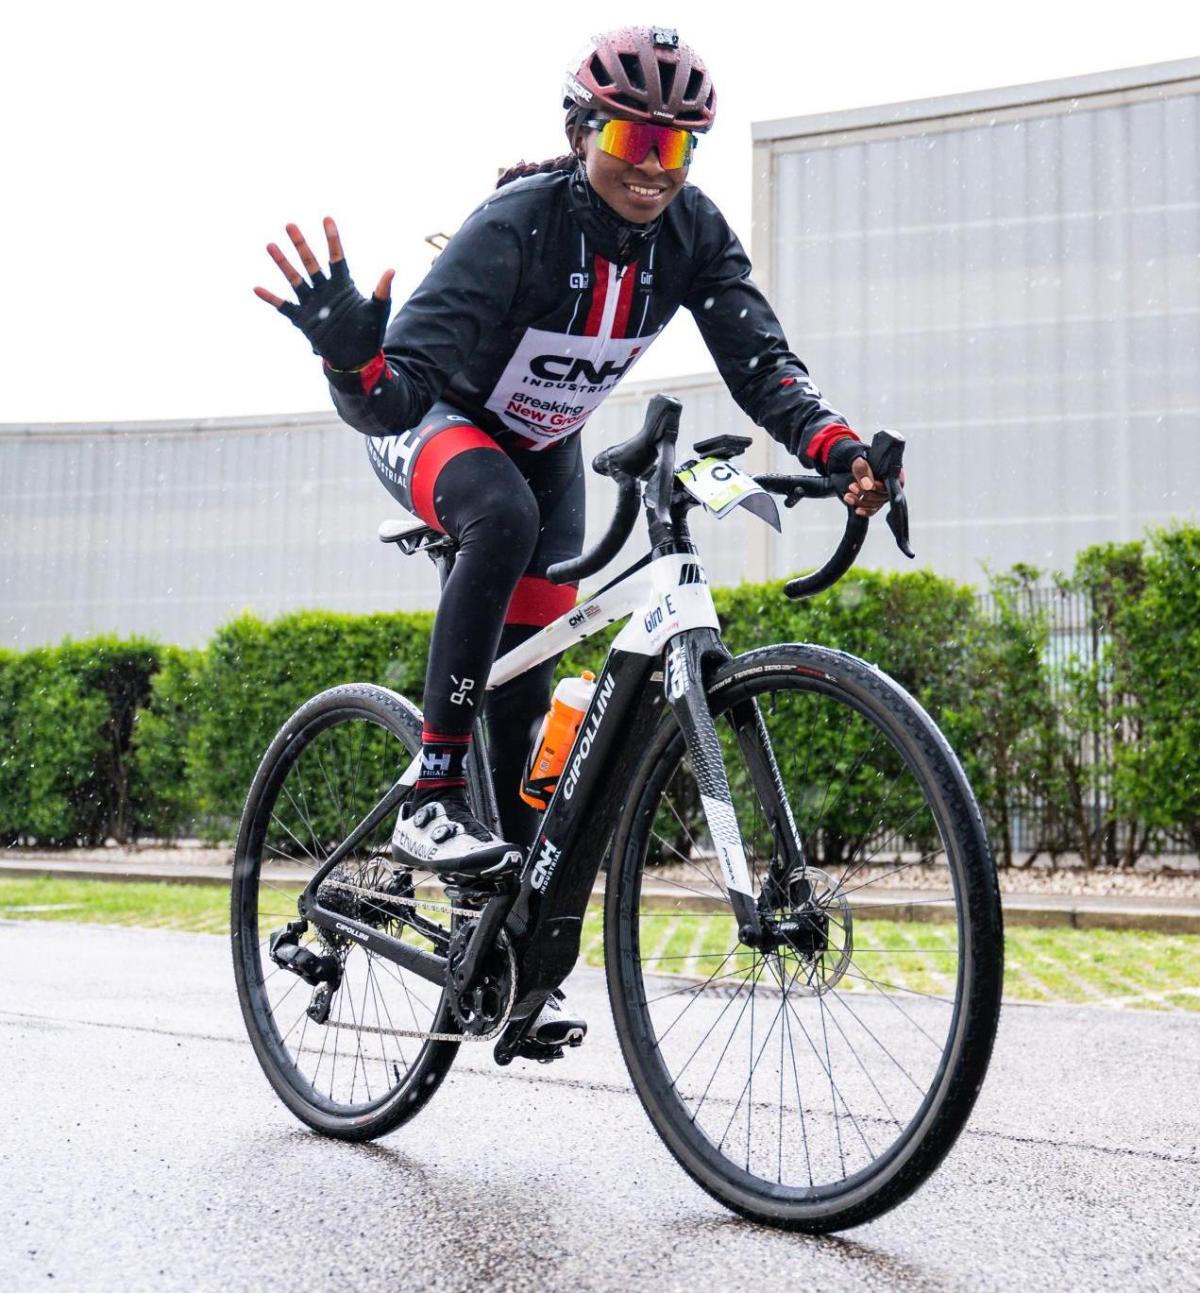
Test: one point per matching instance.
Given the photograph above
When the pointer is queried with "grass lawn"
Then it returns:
(1116, 968)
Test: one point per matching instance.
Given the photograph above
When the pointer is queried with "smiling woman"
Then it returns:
(472, 399)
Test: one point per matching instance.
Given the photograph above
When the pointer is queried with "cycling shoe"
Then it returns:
(443, 836)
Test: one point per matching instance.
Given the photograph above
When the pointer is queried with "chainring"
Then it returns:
(479, 1011)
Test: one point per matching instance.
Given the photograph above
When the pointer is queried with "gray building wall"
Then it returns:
(1012, 278)
(170, 529)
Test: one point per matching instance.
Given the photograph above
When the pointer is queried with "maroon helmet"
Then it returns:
(643, 74)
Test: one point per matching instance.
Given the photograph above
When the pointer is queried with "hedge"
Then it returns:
(67, 716)
(131, 739)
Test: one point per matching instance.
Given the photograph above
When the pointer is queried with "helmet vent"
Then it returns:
(695, 81)
(629, 101)
(666, 79)
(600, 72)
(633, 71)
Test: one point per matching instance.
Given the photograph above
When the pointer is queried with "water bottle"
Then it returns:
(555, 737)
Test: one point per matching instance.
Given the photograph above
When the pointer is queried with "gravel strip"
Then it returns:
(1169, 877)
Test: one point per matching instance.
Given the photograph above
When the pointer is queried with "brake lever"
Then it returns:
(886, 458)
(897, 516)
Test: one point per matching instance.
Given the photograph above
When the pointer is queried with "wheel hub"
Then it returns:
(809, 917)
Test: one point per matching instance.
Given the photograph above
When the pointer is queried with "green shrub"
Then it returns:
(110, 738)
(66, 720)
(1154, 655)
(256, 673)
(165, 793)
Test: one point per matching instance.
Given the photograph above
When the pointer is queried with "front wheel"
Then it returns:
(815, 1081)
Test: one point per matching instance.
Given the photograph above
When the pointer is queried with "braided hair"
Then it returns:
(576, 116)
(567, 162)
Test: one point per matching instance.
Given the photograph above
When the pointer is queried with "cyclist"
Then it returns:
(472, 399)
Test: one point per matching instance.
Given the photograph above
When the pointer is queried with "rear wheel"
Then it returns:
(340, 1052)
(815, 1082)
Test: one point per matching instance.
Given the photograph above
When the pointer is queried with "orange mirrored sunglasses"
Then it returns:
(632, 141)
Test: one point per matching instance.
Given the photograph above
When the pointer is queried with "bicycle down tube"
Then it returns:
(671, 634)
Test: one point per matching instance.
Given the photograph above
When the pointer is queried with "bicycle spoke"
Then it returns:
(800, 1064)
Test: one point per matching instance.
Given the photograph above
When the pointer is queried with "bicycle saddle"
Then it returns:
(637, 455)
(413, 538)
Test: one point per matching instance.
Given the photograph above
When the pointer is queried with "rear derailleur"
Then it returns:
(322, 970)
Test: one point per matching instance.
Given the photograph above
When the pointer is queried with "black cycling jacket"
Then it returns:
(545, 299)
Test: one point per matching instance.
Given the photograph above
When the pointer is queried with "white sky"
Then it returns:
(149, 151)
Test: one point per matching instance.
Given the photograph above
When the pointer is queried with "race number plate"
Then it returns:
(721, 487)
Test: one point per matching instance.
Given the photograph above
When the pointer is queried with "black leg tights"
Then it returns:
(512, 514)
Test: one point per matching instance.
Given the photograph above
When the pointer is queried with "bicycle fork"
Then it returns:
(683, 682)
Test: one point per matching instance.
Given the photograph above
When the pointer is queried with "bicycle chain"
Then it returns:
(429, 904)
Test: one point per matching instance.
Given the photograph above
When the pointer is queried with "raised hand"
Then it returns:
(343, 327)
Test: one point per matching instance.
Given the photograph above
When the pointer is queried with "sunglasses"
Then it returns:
(632, 141)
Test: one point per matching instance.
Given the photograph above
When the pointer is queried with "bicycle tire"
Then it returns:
(352, 742)
(957, 1010)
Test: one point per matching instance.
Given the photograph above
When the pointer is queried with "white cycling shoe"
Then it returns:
(442, 836)
(555, 1027)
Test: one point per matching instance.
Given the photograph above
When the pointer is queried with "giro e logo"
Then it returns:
(580, 281)
(543, 868)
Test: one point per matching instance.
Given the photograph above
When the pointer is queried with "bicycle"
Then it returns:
(807, 1057)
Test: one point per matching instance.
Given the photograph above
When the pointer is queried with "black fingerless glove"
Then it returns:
(344, 327)
(841, 454)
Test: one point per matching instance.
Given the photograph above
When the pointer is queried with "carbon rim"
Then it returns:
(796, 1084)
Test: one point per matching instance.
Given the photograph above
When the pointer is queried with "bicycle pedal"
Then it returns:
(533, 1050)
(478, 889)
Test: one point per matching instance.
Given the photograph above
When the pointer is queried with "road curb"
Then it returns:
(1051, 911)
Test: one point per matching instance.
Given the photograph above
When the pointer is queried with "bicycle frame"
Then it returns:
(671, 638)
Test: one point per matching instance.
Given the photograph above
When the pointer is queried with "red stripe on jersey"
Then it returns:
(433, 457)
(820, 445)
(538, 602)
(373, 372)
(599, 295)
(625, 300)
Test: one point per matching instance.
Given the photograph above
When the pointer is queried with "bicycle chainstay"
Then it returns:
(393, 900)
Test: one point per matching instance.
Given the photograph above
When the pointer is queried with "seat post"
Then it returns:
(443, 559)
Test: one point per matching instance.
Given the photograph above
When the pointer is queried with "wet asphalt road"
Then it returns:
(143, 1149)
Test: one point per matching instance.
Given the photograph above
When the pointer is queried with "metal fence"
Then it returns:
(1069, 808)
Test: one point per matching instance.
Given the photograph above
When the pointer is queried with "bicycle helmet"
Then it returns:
(642, 74)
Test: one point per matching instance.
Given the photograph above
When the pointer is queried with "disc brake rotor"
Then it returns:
(815, 896)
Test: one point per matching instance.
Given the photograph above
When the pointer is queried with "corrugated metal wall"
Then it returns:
(1013, 280)
(170, 529)
(1011, 277)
